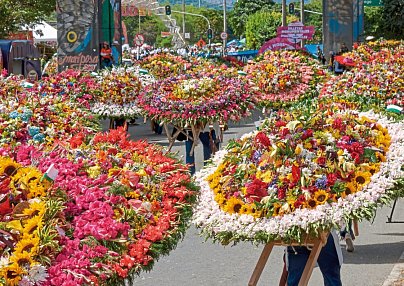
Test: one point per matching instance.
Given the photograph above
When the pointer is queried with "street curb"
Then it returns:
(396, 277)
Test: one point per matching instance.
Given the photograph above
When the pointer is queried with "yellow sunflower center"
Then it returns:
(28, 247)
(23, 262)
(321, 198)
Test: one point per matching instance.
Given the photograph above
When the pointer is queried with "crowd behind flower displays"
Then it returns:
(82, 207)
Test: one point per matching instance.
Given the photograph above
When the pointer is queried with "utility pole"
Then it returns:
(284, 13)
(224, 26)
(183, 19)
(302, 18)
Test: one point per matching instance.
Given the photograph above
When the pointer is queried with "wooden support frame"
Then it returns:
(316, 244)
(172, 137)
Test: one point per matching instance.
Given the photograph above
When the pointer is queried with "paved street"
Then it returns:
(198, 263)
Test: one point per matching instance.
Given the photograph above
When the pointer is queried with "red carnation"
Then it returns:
(262, 139)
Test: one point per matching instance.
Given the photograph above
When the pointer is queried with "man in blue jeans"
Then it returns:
(329, 261)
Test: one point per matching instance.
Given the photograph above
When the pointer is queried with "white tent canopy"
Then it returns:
(44, 32)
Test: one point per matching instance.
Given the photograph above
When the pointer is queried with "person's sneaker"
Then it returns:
(349, 243)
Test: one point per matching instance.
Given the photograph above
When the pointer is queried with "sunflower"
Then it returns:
(349, 189)
(311, 203)
(22, 259)
(362, 178)
(32, 225)
(321, 197)
(12, 274)
(29, 244)
(233, 205)
(374, 168)
(35, 209)
(276, 209)
(8, 166)
(220, 199)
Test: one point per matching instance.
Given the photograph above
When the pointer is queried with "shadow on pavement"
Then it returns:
(383, 253)
(392, 234)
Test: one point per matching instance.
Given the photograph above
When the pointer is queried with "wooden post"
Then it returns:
(261, 264)
(317, 244)
(355, 228)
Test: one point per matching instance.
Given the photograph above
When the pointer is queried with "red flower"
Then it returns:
(262, 139)
(256, 190)
(331, 178)
(307, 134)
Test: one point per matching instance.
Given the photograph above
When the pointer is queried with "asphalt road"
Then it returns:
(196, 262)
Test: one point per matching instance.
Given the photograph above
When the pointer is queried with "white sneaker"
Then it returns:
(349, 243)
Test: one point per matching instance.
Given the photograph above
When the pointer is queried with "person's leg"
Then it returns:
(204, 137)
(297, 258)
(329, 264)
(188, 158)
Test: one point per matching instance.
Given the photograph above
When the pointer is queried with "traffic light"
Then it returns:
(168, 10)
(210, 33)
(291, 8)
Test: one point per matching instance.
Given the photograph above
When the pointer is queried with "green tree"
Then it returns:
(373, 21)
(238, 17)
(262, 26)
(15, 14)
(393, 19)
(150, 27)
(198, 26)
(316, 20)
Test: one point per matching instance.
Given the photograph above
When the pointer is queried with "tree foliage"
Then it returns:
(262, 27)
(316, 20)
(197, 26)
(393, 19)
(15, 14)
(238, 17)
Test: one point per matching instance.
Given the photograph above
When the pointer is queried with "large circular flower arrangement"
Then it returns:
(32, 117)
(114, 207)
(300, 174)
(118, 92)
(284, 77)
(190, 99)
(164, 65)
(377, 82)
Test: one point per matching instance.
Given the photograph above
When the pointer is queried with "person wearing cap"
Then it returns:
(106, 56)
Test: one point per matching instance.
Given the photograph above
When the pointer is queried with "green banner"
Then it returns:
(373, 2)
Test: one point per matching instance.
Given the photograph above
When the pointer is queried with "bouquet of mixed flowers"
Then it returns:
(284, 77)
(31, 117)
(189, 99)
(114, 206)
(164, 65)
(372, 83)
(119, 89)
(299, 174)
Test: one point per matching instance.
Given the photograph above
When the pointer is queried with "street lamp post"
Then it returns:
(224, 26)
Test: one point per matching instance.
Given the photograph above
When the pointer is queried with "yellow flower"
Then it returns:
(349, 189)
(276, 209)
(12, 274)
(312, 203)
(35, 209)
(233, 205)
(15, 225)
(362, 178)
(32, 225)
(8, 166)
(94, 171)
(321, 197)
(298, 150)
(22, 259)
(220, 199)
(28, 243)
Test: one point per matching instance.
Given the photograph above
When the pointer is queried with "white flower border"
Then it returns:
(127, 110)
(213, 220)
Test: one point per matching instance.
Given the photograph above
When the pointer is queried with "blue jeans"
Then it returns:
(327, 261)
(204, 137)
(188, 158)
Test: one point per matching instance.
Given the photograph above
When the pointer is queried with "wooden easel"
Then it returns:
(316, 244)
(172, 137)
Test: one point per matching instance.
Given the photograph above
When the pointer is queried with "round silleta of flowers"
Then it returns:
(299, 174)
